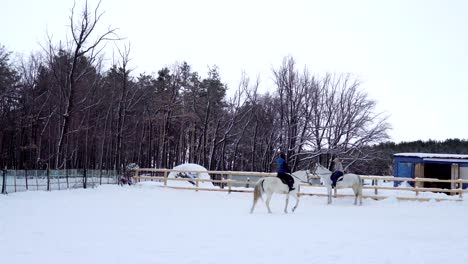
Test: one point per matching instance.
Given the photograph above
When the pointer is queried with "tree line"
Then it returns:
(62, 107)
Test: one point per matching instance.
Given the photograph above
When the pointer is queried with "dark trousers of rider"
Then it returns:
(335, 176)
(286, 178)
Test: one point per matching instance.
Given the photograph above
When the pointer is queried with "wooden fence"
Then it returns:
(226, 183)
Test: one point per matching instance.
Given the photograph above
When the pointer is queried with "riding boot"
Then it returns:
(291, 188)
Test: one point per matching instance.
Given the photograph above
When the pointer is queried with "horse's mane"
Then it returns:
(319, 168)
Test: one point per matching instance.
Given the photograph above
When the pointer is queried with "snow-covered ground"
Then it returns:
(146, 223)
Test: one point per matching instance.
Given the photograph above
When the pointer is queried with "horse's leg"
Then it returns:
(295, 195)
(253, 205)
(287, 202)
(268, 201)
(356, 194)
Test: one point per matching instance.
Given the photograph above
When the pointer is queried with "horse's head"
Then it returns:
(320, 170)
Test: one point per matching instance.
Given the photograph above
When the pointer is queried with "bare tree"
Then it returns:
(324, 116)
(35, 98)
(9, 98)
(292, 88)
(81, 47)
(345, 120)
(239, 109)
(122, 103)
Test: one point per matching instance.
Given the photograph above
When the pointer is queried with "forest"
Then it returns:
(65, 107)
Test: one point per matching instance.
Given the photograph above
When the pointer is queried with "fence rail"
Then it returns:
(227, 185)
(225, 181)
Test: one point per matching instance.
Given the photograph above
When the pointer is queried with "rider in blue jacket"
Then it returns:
(284, 173)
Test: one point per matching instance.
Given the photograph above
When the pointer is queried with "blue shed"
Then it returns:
(431, 165)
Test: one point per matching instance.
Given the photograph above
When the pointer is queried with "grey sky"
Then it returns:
(410, 55)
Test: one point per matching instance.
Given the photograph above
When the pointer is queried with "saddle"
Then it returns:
(289, 184)
(283, 180)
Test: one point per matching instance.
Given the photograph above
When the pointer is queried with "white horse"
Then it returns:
(349, 181)
(270, 185)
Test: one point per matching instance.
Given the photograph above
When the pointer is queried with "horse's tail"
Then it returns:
(258, 190)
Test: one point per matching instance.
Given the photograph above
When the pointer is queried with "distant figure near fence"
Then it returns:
(129, 172)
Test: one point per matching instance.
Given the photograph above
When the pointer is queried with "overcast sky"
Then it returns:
(411, 56)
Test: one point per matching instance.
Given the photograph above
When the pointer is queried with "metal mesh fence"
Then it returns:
(23, 180)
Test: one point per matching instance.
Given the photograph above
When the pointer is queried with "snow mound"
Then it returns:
(192, 170)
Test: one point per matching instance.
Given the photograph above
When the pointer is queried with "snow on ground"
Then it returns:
(150, 224)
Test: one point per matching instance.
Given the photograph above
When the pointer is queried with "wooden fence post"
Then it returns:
(229, 182)
(222, 183)
(165, 178)
(137, 174)
(416, 185)
(460, 186)
(376, 189)
(418, 174)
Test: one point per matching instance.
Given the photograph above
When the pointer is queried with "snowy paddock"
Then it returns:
(150, 224)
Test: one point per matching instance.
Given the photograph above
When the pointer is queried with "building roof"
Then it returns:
(446, 160)
(433, 155)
